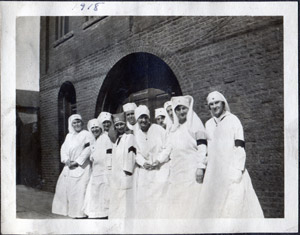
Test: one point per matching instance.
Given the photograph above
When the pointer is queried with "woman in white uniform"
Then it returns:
(151, 180)
(73, 180)
(169, 117)
(122, 199)
(105, 119)
(186, 148)
(227, 190)
(160, 117)
(97, 196)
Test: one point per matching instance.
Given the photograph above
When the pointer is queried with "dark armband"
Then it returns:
(87, 145)
(133, 149)
(127, 173)
(109, 151)
(239, 143)
(201, 141)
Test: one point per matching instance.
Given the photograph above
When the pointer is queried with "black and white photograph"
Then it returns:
(149, 118)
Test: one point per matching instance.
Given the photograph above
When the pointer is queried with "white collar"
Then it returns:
(219, 119)
(131, 127)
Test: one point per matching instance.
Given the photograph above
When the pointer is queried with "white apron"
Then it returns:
(150, 184)
(121, 204)
(183, 189)
(226, 192)
(97, 195)
(71, 185)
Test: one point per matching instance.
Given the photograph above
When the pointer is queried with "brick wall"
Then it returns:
(239, 56)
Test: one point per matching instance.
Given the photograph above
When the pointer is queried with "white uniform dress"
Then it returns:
(186, 155)
(121, 190)
(151, 184)
(227, 190)
(97, 195)
(71, 185)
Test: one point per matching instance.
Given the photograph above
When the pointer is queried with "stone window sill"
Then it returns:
(64, 38)
(92, 22)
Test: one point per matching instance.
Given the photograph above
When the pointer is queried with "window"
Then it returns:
(61, 26)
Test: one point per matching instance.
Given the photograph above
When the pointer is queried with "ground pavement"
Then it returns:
(35, 204)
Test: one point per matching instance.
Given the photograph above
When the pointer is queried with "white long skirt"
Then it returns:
(69, 195)
(96, 203)
(223, 198)
(121, 204)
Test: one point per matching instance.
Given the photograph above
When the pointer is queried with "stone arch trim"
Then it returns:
(119, 57)
(169, 57)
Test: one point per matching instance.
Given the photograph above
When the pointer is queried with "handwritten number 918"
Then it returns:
(89, 7)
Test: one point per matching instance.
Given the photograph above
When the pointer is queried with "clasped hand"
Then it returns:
(199, 175)
(71, 164)
(152, 166)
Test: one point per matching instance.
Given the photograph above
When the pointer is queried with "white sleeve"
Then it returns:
(129, 157)
(239, 149)
(92, 151)
(64, 155)
(202, 159)
(86, 152)
(140, 160)
(164, 155)
(201, 149)
(239, 158)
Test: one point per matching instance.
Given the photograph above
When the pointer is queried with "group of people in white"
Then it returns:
(124, 166)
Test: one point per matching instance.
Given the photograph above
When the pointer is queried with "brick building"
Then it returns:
(90, 64)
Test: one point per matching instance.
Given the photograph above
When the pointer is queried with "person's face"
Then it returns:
(144, 122)
(160, 120)
(170, 111)
(106, 125)
(181, 112)
(217, 108)
(96, 130)
(77, 125)
(130, 117)
(120, 127)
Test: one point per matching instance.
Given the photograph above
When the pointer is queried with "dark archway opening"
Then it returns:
(140, 77)
(66, 107)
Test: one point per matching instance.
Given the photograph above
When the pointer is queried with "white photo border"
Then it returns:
(9, 13)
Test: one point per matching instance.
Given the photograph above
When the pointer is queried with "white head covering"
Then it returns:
(129, 107)
(168, 121)
(217, 96)
(167, 104)
(142, 109)
(187, 101)
(194, 123)
(118, 117)
(160, 112)
(70, 120)
(181, 100)
(104, 116)
(92, 123)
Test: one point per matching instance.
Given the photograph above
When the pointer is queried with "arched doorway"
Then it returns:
(66, 107)
(140, 77)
